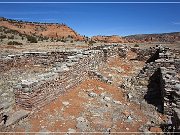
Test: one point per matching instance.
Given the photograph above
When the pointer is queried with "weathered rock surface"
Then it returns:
(17, 116)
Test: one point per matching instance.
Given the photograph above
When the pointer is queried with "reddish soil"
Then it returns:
(58, 117)
(48, 118)
(40, 29)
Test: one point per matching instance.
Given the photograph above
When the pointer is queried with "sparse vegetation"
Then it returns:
(3, 36)
(32, 39)
(14, 43)
(136, 45)
(91, 42)
(11, 37)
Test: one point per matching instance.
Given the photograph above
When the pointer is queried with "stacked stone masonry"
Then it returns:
(69, 68)
(158, 82)
(32, 58)
(34, 93)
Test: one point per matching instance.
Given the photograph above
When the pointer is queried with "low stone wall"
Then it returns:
(34, 93)
(146, 54)
(32, 58)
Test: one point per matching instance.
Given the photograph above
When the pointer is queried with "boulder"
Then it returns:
(17, 116)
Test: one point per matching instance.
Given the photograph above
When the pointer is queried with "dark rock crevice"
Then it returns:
(154, 94)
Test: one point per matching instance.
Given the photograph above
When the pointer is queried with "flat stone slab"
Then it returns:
(17, 116)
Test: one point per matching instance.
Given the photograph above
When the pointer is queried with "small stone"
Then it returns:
(129, 96)
(129, 119)
(108, 130)
(117, 102)
(100, 88)
(107, 98)
(65, 103)
(42, 126)
(148, 123)
(80, 119)
(82, 123)
(102, 95)
(92, 94)
(108, 105)
(70, 130)
(177, 87)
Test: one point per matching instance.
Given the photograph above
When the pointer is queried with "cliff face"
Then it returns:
(41, 29)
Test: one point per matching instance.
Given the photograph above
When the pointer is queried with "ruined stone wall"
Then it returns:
(145, 54)
(158, 83)
(35, 92)
(170, 85)
(32, 58)
(32, 94)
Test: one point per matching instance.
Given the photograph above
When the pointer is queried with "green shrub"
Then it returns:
(136, 45)
(91, 43)
(14, 43)
(32, 39)
(63, 40)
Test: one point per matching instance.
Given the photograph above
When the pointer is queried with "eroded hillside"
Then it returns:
(41, 29)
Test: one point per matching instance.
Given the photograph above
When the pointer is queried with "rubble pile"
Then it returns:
(145, 54)
(122, 52)
(99, 76)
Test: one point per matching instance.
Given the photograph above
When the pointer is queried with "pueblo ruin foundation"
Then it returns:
(107, 89)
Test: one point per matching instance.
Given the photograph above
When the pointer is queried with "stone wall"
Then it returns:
(158, 83)
(170, 85)
(34, 93)
(32, 58)
(145, 54)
